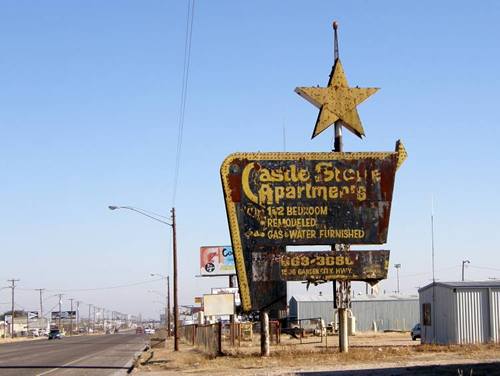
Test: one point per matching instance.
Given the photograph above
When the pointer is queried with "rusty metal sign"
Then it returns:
(278, 199)
(368, 266)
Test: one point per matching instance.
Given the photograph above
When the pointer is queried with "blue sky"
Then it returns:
(90, 94)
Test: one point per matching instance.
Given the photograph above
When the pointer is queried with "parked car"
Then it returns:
(416, 332)
(55, 334)
(34, 332)
(139, 330)
(149, 331)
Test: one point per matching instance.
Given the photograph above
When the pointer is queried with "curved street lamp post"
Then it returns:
(153, 216)
(463, 268)
(167, 306)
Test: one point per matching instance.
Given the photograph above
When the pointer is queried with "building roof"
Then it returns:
(357, 298)
(464, 285)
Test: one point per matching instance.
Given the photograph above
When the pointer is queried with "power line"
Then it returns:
(97, 288)
(184, 89)
(484, 267)
(111, 287)
(427, 273)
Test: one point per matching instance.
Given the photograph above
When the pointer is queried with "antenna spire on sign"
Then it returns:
(337, 102)
(335, 41)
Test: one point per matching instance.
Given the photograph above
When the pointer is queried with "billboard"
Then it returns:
(369, 266)
(228, 290)
(218, 304)
(279, 199)
(32, 315)
(63, 315)
(216, 261)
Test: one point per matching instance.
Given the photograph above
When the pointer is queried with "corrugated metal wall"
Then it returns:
(312, 310)
(461, 315)
(387, 315)
(472, 316)
(495, 314)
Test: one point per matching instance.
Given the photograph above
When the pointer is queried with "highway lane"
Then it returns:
(80, 356)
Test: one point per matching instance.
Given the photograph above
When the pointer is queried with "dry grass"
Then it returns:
(290, 358)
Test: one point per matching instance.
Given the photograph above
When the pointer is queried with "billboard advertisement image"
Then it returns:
(217, 261)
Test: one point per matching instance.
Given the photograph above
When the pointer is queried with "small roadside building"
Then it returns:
(460, 312)
(371, 313)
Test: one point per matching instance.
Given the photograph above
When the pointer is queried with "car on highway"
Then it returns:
(34, 333)
(55, 334)
(139, 330)
(416, 332)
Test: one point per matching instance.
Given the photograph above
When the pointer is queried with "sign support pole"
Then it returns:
(344, 287)
(231, 318)
(264, 333)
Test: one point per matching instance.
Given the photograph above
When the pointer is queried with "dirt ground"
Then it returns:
(370, 354)
(19, 339)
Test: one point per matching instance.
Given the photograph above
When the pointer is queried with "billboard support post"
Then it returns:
(231, 318)
(264, 333)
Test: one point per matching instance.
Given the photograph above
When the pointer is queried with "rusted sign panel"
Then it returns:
(279, 199)
(321, 198)
(368, 266)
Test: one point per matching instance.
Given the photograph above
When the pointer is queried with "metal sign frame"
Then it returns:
(233, 195)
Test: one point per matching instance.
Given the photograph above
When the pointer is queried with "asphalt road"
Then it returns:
(110, 354)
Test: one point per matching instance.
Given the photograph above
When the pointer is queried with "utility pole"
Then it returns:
(93, 322)
(12, 286)
(41, 301)
(77, 316)
(88, 323)
(71, 317)
(176, 307)
(168, 307)
(174, 251)
(60, 312)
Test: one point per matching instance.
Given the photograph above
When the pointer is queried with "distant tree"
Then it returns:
(17, 313)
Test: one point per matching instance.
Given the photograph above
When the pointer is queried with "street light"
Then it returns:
(167, 306)
(154, 216)
(463, 267)
(397, 266)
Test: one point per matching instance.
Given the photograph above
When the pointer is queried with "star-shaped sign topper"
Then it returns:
(337, 102)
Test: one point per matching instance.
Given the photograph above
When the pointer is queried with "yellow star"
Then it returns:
(337, 102)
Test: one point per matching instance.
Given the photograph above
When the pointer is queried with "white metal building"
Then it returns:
(383, 312)
(460, 312)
